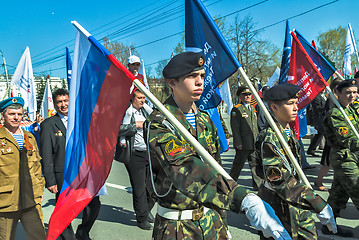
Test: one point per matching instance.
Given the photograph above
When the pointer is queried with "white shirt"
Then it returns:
(64, 119)
(139, 144)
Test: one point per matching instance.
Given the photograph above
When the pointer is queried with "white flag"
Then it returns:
(349, 50)
(23, 80)
(47, 106)
(274, 78)
(226, 95)
(142, 71)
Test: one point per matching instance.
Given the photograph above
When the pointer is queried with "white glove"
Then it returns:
(262, 216)
(326, 217)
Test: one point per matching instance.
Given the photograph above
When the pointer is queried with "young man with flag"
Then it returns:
(344, 147)
(189, 192)
(21, 181)
(282, 189)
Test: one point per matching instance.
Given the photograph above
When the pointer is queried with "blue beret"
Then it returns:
(347, 83)
(9, 101)
(183, 64)
(282, 92)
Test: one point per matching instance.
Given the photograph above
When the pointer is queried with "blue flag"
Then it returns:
(202, 35)
(68, 67)
(283, 77)
(214, 115)
(324, 67)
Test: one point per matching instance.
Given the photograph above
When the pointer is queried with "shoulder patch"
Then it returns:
(343, 131)
(274, 174)
(237, 105)
(234, 114)
(175, 147)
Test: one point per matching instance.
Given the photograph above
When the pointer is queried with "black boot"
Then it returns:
(341, 232)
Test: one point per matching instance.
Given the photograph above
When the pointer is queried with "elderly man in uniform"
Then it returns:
(245, 131)
(190, 193)
(282, 189)
(21, 181)
(344, 149)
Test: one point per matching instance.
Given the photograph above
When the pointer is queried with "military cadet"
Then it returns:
(282, 189)
(189, 192)
(21, 181)
(344, 149)
(245, 131)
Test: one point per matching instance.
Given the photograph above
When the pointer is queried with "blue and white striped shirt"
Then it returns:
(191, 118)
(19, 139)
(287, 131)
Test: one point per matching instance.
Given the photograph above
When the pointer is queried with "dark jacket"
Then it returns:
(128, 131)
(244, 126)
(52, 150)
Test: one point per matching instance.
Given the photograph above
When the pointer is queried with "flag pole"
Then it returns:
(276, 130)
(183, 131)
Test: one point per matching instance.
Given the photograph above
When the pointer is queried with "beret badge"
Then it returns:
(14, 100)
(200, 61)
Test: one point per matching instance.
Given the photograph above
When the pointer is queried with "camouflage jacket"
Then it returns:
(338, 133)
(178, 168)
(279, 173)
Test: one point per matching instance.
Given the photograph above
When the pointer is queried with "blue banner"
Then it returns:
(214, 115)
(283, 77)
(202, 35)
(68, 67)
(324, 67)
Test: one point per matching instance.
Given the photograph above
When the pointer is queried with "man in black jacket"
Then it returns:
(137, 164)
(53, 143)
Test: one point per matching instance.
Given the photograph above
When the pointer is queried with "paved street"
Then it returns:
(117, 221)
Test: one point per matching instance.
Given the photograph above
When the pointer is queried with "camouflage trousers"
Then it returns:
(209, 227)
(298, 222)
(345, 185)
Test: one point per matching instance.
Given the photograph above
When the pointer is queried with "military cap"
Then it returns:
(183, 64)
(9, 101)
(282, 92)
(347, 83)
(243, 89)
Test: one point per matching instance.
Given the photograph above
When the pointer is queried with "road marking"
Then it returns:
(128, 189)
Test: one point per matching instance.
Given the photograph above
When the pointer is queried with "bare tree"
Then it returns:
(120, 50)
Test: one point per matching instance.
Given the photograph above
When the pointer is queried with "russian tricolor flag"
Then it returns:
(99, 97)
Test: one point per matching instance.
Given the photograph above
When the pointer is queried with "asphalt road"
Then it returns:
(117, 220)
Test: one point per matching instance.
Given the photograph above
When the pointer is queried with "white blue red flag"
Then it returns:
(68, 67)
(23, 80)
(99, 96)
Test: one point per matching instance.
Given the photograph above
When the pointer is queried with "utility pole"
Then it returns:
(6, 75)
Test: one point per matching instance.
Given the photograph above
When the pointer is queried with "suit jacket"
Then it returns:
(244, 126)
(52, 149)
(21, 181)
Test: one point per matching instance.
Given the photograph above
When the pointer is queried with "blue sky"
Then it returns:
(43, 25)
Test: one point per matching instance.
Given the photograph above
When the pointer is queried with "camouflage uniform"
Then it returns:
(343, 157)
(282, 189)
(191, 183)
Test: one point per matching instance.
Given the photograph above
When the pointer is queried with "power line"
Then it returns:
(57, 58)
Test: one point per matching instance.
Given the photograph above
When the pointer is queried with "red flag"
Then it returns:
(304, 73)
(314, 45)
